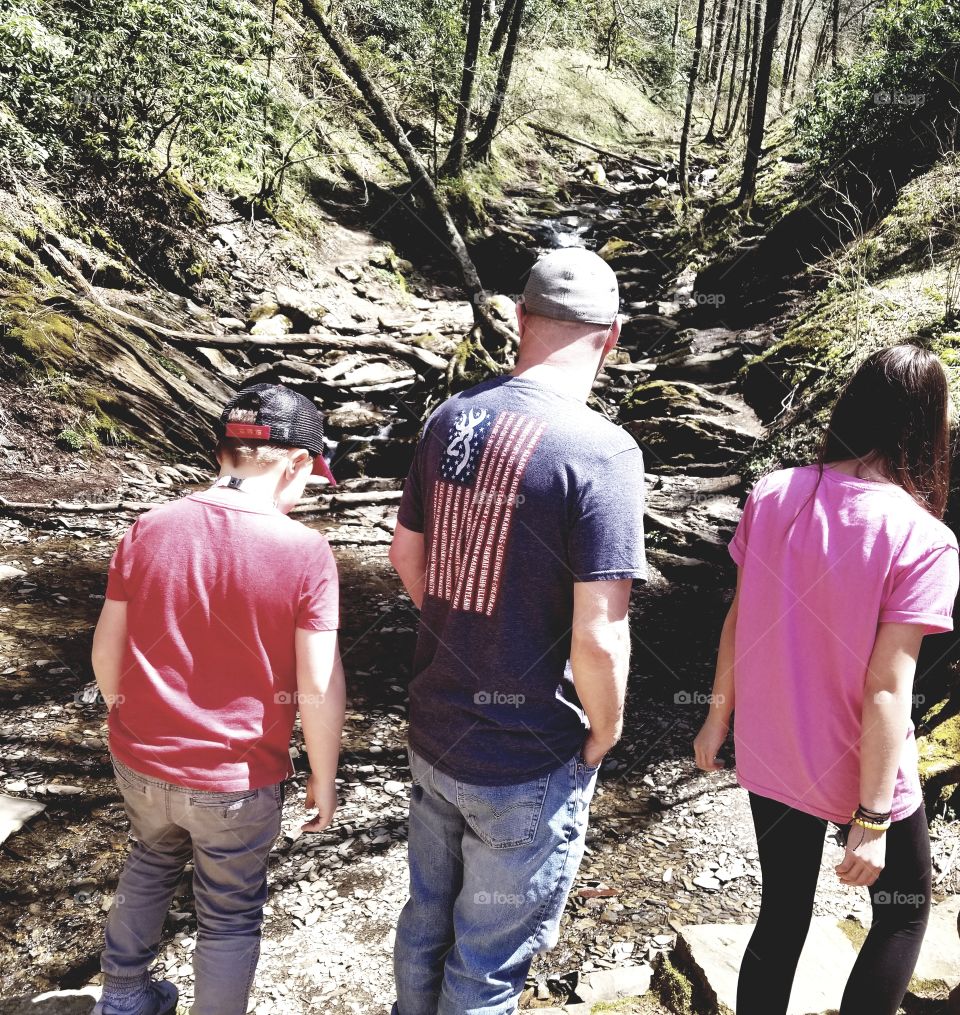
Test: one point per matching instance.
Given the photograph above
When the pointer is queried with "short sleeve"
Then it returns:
(738, 545)
(319, 607)
(411, 513)
(924, 592)
(606, 536)
(119, 571)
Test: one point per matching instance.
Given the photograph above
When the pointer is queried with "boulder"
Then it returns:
(272, 327)
(688, 441)
(940, 955)
(670, 398)
(53, 1002)
(711, 954)
(708, 366)
(15, 812)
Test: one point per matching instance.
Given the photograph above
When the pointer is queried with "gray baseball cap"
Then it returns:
(572, 284)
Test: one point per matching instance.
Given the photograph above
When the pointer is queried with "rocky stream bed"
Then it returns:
(668, 846)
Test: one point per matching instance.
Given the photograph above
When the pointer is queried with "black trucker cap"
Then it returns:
(276, 415)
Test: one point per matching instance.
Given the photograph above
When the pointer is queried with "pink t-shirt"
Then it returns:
(216, 585)
(822, 567)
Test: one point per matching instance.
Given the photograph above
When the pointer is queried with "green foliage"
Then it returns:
(907, 69)
(148, 82)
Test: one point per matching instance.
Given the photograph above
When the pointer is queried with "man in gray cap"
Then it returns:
(519, 536)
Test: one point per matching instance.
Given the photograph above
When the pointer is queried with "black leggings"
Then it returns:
(790, 844)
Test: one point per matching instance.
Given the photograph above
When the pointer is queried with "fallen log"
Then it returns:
(605, 152)
(190, 339)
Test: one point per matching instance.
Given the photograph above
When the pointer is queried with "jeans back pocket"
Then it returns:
(504, 817)
(225, 805)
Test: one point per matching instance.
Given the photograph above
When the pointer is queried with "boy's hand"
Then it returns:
(322, 795)
(706, 747)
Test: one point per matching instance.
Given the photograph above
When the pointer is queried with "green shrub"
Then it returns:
(907, 70)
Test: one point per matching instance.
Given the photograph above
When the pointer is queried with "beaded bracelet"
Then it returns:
(875, 821)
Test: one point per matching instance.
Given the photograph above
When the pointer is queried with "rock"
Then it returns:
(707, 366)
(940, 954)
(350, 272)
(59, 789)
(15, 812)
(231, 323)
(712, 954)
(374, 373)
(344, 327)
(266, 308)
(670, 398)
(356, 415)
(304, 303)
(8, 572)
(613, 984)
(272, 327)
(689, 442)
(708, 882)
(282, 371)
(53, 1002)
(216, 359)
(504, 308)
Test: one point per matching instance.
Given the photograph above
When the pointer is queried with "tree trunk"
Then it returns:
(480, 149)
(751, 7)
(720, 36)
(682, 168)
(755, 47)
(788, 50)
(798, 49)
(453, 165)
(758, 120)
(732, 87)
(835, 34)
(711, 136)
(500, 32)
(676, 26)
(819, 51)
(496, 333)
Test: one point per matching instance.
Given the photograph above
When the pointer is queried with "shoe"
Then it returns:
(161, 999)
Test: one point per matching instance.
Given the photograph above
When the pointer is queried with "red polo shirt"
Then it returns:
(215, 586)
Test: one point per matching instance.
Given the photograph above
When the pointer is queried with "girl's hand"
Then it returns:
(707, 745)
(321, 794)
(865, 856)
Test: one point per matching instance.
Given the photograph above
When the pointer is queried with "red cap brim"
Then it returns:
(320, 468)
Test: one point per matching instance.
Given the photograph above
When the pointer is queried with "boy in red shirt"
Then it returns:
(220, 618)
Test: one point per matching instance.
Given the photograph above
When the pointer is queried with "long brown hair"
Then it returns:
(894, 412)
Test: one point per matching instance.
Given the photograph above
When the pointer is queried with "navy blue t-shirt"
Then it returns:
(520, 491)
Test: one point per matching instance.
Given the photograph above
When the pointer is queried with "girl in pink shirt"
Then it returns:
(842, 568)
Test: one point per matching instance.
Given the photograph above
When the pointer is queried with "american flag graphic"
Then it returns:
(474, 500)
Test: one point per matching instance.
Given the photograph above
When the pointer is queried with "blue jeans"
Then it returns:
(490, 871)
(228, 836)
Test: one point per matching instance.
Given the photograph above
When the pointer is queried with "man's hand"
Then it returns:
(706, 747)
(322, 795)
(865, 857)
(594, 750)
